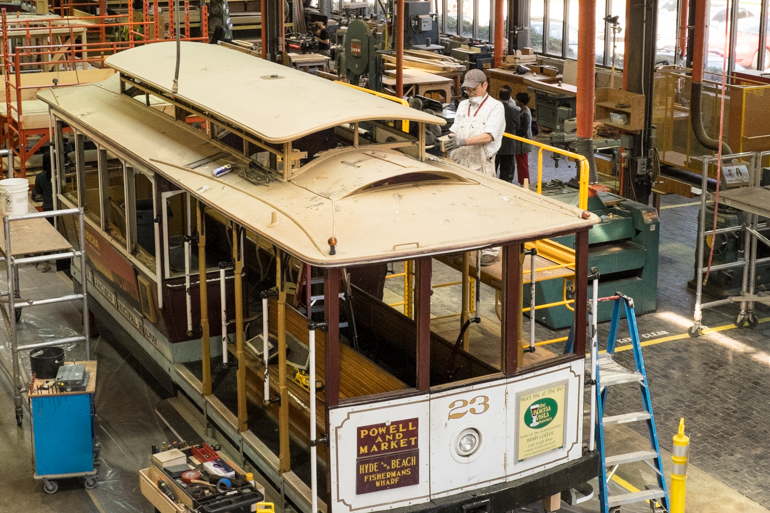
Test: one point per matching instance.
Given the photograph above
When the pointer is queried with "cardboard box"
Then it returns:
(169, 458)
(527, 50)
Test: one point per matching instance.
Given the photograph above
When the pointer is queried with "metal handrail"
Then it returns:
(582, 161)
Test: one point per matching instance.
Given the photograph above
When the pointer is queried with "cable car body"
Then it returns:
(217, 212)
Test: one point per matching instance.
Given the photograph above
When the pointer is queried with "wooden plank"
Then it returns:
(33, 237)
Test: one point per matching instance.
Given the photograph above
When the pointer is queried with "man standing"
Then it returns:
(477, 134)
(322, 36)
(504, 160)
(478, 128)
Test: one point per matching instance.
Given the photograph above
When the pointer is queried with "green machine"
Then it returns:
(623, 247)
(360, 56)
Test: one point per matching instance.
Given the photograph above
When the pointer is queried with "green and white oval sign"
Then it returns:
(541, 413)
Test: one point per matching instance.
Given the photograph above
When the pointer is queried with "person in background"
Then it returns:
(525, 130)
(504, 160)
(477, 131)
(322, 36)
(43, 192)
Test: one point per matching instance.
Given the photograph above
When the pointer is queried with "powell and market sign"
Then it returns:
(387, 456)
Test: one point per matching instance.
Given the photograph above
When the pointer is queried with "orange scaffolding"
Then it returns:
(63, 53)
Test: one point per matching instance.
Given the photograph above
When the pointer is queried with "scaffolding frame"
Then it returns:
(11, 302)
(70, 55)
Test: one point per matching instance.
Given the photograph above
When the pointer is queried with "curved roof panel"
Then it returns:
(275, 102)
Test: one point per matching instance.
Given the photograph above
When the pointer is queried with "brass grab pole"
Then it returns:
(241, 373)
(283, 411)
(204, 302)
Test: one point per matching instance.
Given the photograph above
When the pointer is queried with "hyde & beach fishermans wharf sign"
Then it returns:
(387, 456)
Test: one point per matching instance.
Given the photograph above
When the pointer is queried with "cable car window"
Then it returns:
(143, 221)
(114, 175)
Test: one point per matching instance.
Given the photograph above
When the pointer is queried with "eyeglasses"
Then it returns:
(470, 90)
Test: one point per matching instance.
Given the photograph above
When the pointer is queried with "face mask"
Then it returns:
(475, 100)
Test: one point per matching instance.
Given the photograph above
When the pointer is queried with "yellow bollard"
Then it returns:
(679, 472)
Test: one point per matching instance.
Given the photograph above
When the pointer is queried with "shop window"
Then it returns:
(451, 16)
(467, 21)
(555, 27)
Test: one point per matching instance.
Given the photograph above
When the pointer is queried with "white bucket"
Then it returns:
(14, 196)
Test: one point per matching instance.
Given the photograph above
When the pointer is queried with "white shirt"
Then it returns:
(492, 113)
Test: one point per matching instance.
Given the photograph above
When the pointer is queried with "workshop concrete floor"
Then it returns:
(717, 382)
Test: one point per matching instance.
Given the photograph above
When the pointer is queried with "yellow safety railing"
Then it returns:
(580, 159)
(408, 275)
(405, 122)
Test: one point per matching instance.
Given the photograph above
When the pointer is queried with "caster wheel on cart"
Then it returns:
(19, 418)
(18, 315)
(753, 321)
(695, 331)
(50, 486)
(91, 482)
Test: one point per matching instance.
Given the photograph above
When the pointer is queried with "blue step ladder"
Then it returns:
(607, 373)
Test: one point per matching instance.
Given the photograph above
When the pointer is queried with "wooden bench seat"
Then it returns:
(359, 376)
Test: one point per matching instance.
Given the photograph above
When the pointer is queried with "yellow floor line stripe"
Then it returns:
(625, 484)
(671, 338)
(95, 501)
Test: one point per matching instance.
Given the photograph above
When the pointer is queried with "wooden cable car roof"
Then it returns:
(379, 204)
(275, 102)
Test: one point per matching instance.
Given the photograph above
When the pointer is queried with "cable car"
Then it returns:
(244, 226)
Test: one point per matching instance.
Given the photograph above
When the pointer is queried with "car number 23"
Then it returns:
(476, 406)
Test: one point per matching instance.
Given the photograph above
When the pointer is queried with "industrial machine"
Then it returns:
(554, 110)
(420, 25)
(360, 57)
(623, 247)
(474, 56)
(301, 43)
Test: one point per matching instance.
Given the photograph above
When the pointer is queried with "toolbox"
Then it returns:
(200, 487)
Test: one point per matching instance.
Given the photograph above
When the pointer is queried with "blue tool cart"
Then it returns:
(63, 431)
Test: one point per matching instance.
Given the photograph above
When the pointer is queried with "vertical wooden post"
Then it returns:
(332, 353)
(511, 323)
(424, 267)
(204, 302)
(465, 313)
(331, 356)
(283, 393)
(243, 416)
(581, 290)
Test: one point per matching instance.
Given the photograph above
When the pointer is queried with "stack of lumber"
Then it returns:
(427, 61)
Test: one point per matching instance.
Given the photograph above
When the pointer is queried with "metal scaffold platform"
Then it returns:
(31, 239)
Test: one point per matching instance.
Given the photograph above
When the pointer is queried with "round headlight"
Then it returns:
(468, 442)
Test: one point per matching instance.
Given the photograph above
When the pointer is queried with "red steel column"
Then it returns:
(499, 18)
(586, 69)
(399, 20)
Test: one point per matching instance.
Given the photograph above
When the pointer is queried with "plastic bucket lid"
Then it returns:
(14, 185)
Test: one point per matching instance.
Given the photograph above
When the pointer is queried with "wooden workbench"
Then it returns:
(418, 82)
(521, 83)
